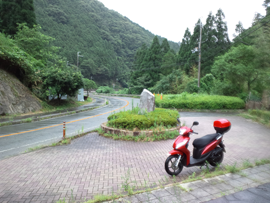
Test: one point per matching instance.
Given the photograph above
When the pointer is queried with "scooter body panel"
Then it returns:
(175, 152)
(180, 145)
(198, 162)
(211, 146)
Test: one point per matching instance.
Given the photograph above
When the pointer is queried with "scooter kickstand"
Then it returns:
(205, 164)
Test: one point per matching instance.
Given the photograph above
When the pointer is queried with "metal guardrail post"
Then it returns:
(64, 130)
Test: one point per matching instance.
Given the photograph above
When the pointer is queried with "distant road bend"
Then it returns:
(16, 139)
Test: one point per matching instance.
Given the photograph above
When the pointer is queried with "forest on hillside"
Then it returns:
(237, 68)
(107, 40)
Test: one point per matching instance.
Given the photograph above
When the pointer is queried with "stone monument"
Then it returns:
(147, 101)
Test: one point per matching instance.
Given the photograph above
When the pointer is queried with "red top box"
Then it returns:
(222, 125)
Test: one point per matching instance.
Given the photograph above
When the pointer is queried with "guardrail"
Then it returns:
(118, 95)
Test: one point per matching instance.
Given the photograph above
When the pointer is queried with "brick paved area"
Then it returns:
(94, 164)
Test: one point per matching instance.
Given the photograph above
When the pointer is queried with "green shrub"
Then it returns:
(199, 101)
(131, 119)
(105, 89)
(123, 91)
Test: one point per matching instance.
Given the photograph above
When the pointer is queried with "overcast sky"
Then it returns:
(170, 18)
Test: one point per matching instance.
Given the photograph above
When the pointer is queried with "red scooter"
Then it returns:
(207, 149)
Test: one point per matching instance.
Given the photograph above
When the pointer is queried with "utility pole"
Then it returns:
(199, 67)
(78, 56)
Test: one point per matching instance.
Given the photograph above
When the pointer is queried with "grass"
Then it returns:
(260, 116)
(27, 120)
(56, 105)
(35, 148)
(262, 162)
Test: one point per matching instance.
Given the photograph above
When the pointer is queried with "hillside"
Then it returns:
(107, 40)
(15, 97)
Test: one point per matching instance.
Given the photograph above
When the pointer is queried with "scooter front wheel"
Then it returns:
(170, 167)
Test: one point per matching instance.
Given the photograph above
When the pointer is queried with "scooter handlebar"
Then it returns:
(195, 133)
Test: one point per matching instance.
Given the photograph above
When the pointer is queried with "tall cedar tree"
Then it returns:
(139, 56)
(165, 47)
(222, 42)
(215, 42)
(16, 11)
(208, 44)
(184, 51)
(152, 61)
(194, 42)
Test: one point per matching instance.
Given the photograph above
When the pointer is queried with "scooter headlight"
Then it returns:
(182, 131)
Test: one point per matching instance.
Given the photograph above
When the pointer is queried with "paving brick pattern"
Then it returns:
(212, 188)
(95, 165)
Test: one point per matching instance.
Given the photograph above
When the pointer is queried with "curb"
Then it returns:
(110, 130)
(206, 189)
(49, 116)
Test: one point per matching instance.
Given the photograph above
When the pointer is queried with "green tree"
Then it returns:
(194, 42)
(223, 42)
(169, 84)
(237, 66)
(32, 41)
(13, 12)
(59, 81)
(89, 84)
(184, 51)
(153, 60)
(208, 45)
(165, 47)
(168, 63)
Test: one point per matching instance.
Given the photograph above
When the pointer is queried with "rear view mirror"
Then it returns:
(195, 123)
(178, 120)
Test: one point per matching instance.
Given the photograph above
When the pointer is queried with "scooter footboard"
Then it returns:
(175, 152)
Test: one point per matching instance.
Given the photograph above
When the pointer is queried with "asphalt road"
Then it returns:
(16, 139)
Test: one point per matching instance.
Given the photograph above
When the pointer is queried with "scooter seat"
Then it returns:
(205, 140)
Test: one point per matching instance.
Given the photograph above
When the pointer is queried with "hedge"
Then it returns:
(131, 119)
(197, 101)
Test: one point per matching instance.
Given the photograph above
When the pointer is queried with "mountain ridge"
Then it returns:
(107, 39)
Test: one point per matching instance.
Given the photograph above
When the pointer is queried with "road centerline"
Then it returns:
(18, 133)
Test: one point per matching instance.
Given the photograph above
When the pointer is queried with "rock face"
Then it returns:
(15, 97)
(147, 101)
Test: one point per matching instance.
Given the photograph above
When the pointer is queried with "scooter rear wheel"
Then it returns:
(170, 167)
(217, 159)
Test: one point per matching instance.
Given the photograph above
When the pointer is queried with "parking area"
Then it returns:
(96, 165)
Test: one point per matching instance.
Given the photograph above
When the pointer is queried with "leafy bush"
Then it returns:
(199, 101)
(131, 119)
(123, 91)
(105, 89)
(17, 61)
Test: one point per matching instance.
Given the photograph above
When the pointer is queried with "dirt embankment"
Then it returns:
(15, 98)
